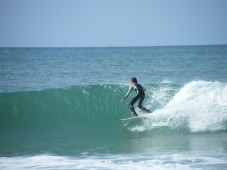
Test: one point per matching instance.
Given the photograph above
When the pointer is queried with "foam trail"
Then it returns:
(199, 106)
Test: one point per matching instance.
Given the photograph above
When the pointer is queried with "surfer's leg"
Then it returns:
(131, 105)
(141, 104)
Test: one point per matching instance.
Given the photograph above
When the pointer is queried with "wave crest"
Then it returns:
(199, 106)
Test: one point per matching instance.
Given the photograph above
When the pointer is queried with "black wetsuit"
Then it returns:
(140, 94)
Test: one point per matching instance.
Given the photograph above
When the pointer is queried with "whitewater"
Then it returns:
(61, 110)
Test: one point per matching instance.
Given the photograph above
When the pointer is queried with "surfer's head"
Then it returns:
(133, 80)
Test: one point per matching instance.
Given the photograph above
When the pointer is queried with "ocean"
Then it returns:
(59, 108)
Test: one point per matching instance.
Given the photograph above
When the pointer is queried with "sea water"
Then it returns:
(59, 108)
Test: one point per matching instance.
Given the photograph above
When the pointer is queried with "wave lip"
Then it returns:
(199, 106)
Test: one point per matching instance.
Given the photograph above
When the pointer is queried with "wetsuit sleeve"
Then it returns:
(129, 91)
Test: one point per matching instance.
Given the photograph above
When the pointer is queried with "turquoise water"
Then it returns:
(59, 108)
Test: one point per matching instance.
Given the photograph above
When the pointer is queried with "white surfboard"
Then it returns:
(132, 118)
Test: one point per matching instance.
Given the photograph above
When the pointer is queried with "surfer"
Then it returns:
(140, 94)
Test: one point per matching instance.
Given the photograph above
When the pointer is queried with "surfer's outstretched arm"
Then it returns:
(129, 91)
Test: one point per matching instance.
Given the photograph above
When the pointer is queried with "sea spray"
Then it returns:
(199, 106)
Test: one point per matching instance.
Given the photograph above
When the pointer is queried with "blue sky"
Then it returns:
(98, 23)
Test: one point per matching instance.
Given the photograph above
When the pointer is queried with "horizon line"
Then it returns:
(133, 46)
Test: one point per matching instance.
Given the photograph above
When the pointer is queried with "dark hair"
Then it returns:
(134, 80)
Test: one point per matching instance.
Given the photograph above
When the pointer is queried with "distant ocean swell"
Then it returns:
(198, 106)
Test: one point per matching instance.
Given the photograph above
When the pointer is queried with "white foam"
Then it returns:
(199, 105)
(112, 162)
